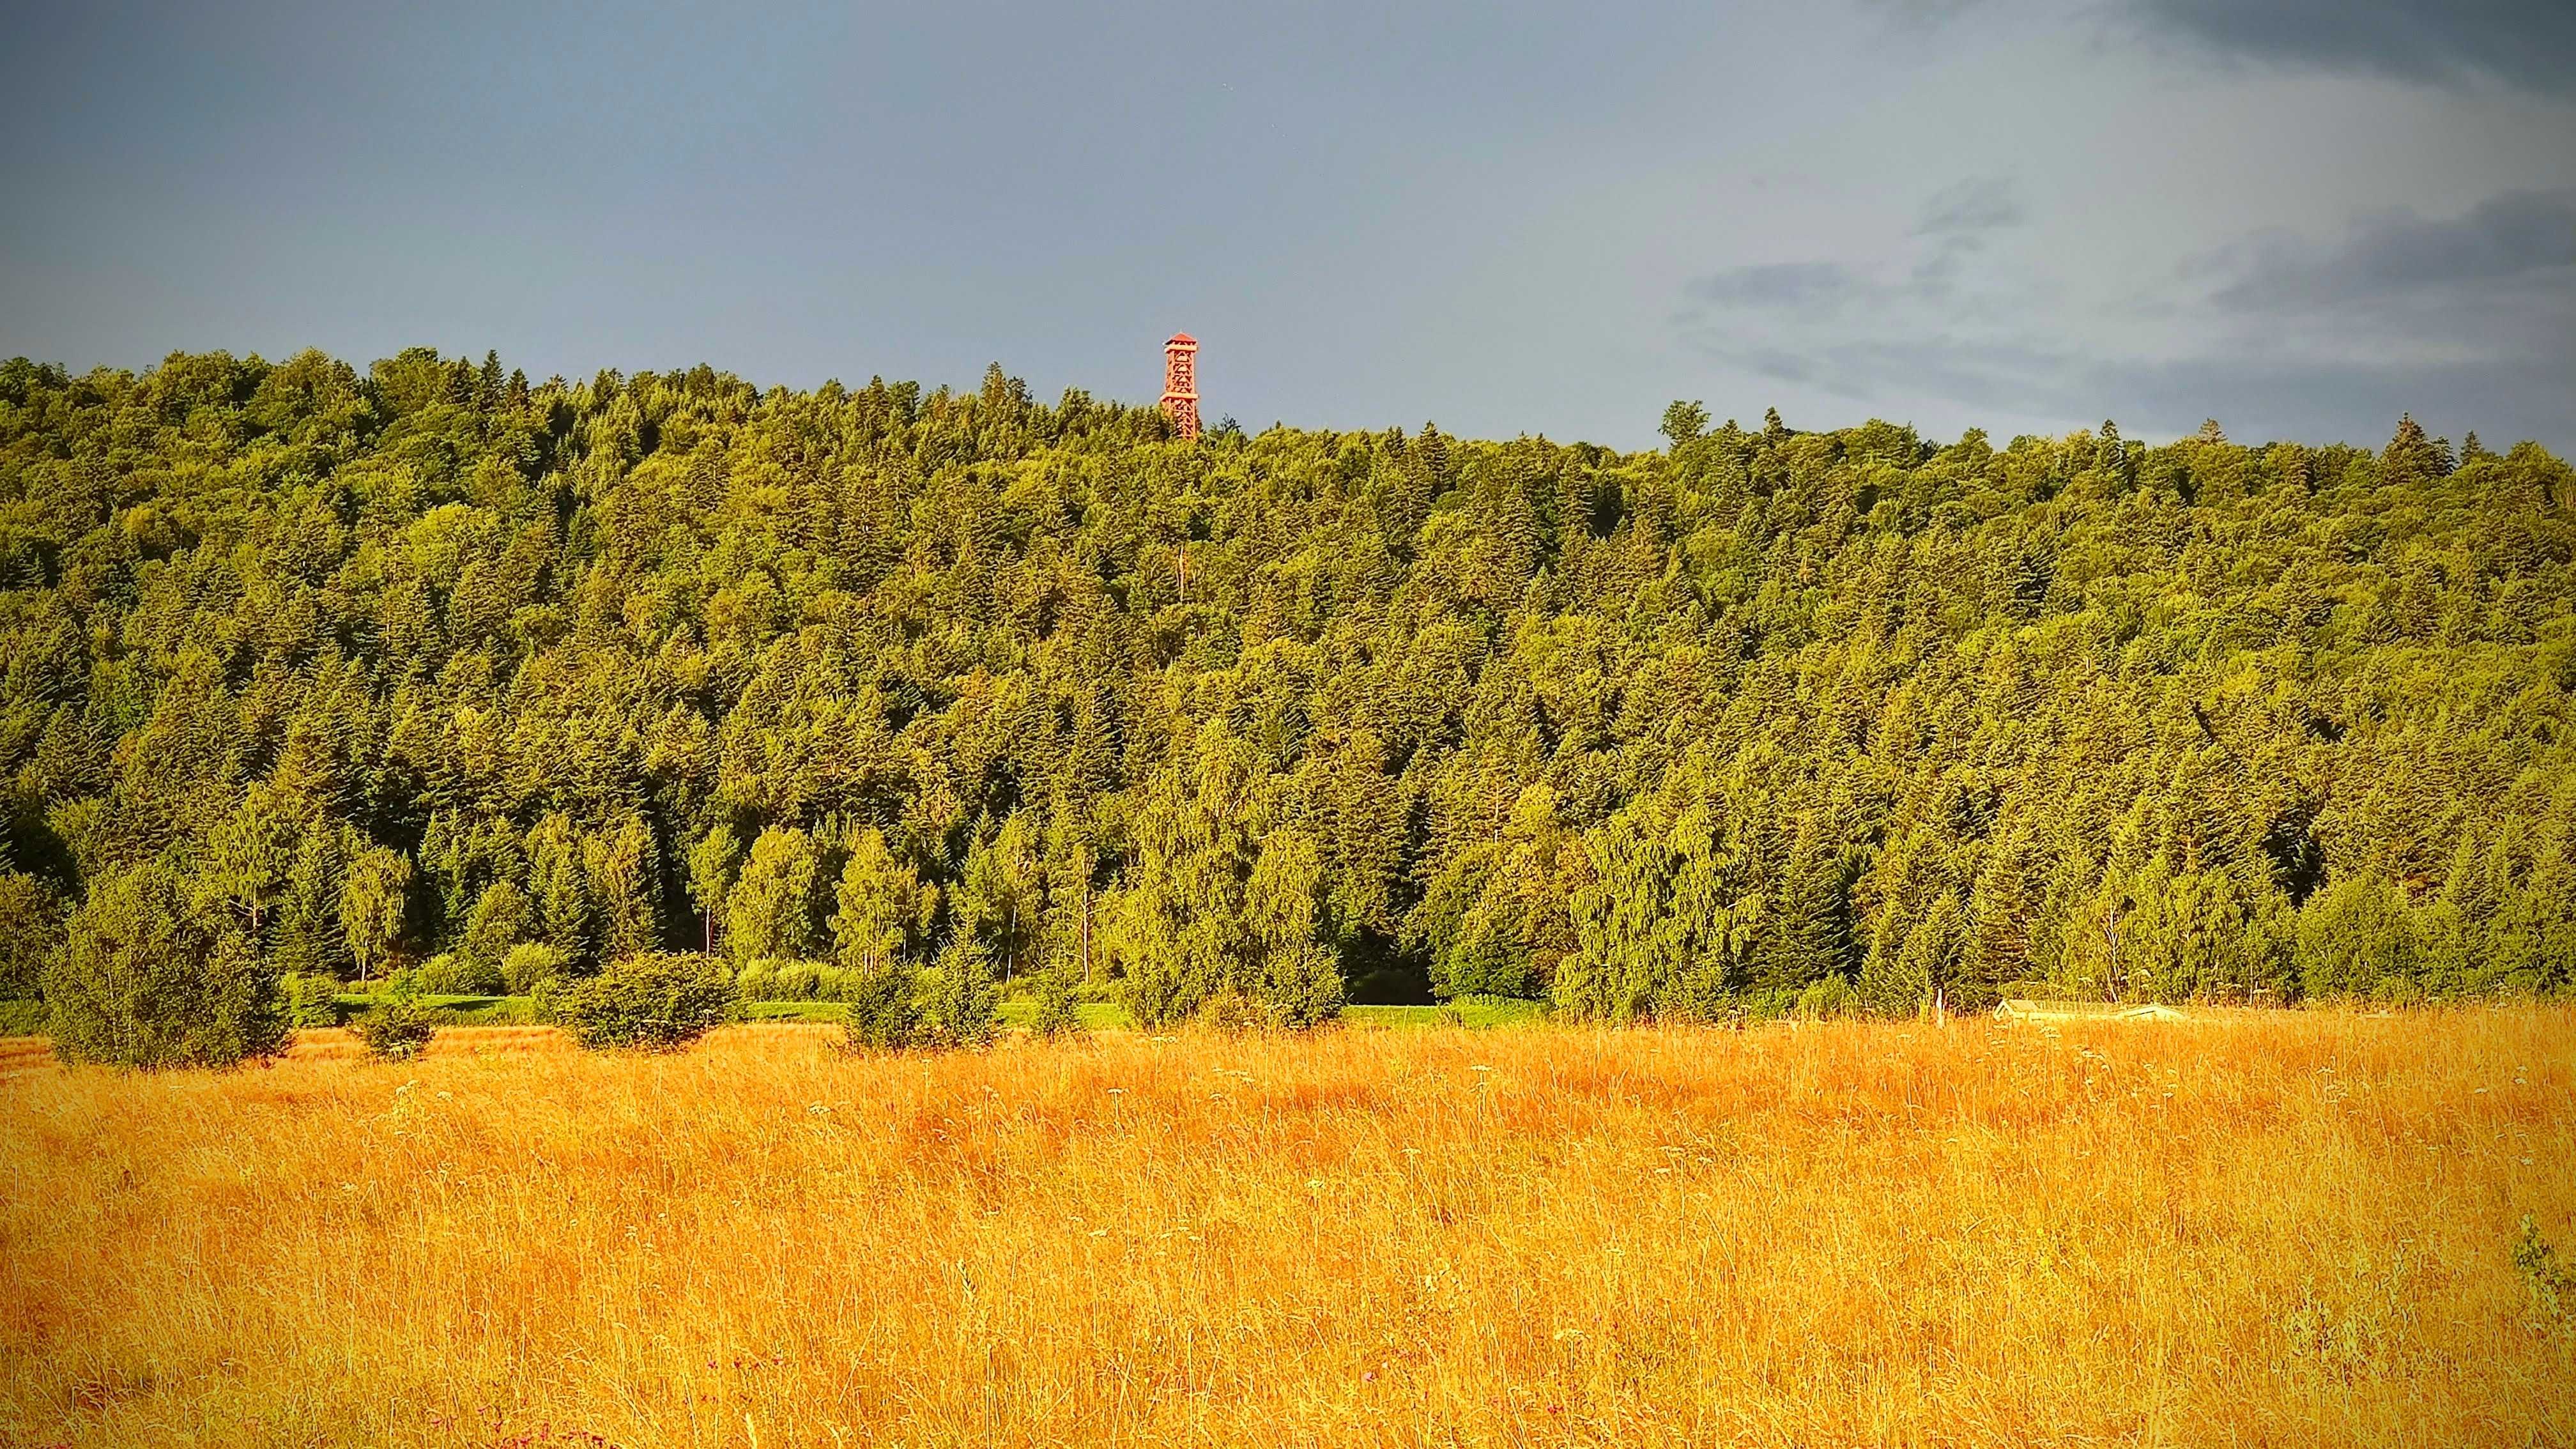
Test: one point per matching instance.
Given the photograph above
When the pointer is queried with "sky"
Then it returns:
(2299, 218)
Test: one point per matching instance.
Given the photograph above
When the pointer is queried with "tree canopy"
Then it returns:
(349, 668)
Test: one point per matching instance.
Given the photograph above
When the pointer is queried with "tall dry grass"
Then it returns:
(2290, 1231)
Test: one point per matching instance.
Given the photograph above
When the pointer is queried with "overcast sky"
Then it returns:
(2300, 218)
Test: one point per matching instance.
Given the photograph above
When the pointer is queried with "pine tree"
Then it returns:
(566, 918)
(244, 867)
(1001, 894)
(961, 1000)
(624, 871)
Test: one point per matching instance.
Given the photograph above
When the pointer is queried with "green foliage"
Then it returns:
(31, 931)
(501, 923)
(453, 974)
(756, 981)
(143, 981)
(383, 664)
(1058, 1004)
(1828, 998)
(881, 907)
(2357, 935)
(527, 969)
(398, 1025)
(769, 913)
(712, 863)
(1684, 422)
(2550, 1283)
(960, 1003)
(797, 981)
(308, 1000)
(1231, 1013)
(371, 905)
(884, 1006)
(660, 1001)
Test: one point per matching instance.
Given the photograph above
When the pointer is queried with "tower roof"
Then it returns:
(1182, 339)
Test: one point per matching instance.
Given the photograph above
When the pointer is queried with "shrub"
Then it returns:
(530, 966)
(1831, 997)
(2550, 1284)
(31, 928)
(884, 1014)
(1699, 994)
(1305, 986)
(798, 981)
(657, 1001)
(1056, 1001)
(143, 982)
(1233, 1013)
(756, 982)
(311, 1000)
(399, 1026)
(449, 974)
(959, 1011)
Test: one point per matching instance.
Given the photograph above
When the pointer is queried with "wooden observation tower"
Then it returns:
(1181, 384)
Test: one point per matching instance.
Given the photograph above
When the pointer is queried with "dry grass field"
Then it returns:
(2285, 1230)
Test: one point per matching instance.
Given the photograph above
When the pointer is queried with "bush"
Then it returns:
(144, 982)
(1233, 1013)
(1831, 997)
(658, 1001)
(959, 1011)
(756, 982)
(399, 1026)
(1056, 1001)
(884, 1014)
(311, 1000)
(2550, 1284)
(31, 928)
(530, 966)
(1699, 994)
(1305, 987)
(798, 981)
(448, 974)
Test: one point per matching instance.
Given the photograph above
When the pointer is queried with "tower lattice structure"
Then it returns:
(1181, 384)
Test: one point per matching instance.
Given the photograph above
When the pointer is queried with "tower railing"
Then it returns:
(1181, 384)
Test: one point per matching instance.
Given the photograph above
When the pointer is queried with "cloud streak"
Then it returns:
(2471, 316)
(2530, 44)
(1966, 208)
(1805, 285)
(2509, 238)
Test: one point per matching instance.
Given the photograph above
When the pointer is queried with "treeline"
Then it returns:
(323, 671)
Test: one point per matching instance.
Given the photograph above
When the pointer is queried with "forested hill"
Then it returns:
(351, 669)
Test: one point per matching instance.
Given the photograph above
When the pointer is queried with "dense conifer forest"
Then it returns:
(320, 671)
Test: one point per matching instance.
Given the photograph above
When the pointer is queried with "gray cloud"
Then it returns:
(2504, 239)
(2467, 321)
(1780, 284)
(2255, 396)
(2526, 43)
(1978, 204)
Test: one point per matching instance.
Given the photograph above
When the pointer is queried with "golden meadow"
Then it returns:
(2284, 1228)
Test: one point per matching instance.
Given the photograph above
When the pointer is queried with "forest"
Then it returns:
(313, 672)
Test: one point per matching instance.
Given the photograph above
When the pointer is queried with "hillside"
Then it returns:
(321, 670)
